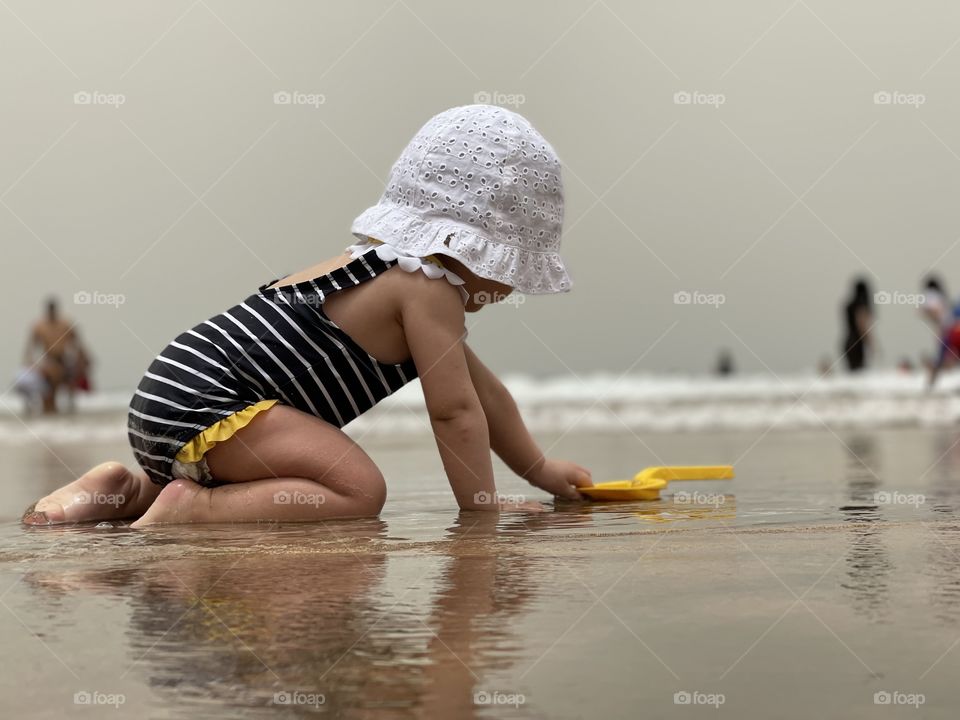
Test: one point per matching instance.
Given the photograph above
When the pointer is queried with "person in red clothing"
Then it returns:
(949, 346)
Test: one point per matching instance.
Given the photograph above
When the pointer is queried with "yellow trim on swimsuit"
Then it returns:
(221, 430)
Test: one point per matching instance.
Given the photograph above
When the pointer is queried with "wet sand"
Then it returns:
(797, 590)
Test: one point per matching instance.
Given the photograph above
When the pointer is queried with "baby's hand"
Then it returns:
(526, 506)
(561, 478)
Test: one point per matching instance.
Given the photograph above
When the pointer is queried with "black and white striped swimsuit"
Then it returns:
(277, 344)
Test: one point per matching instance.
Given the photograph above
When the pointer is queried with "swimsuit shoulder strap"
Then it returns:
(359, 270)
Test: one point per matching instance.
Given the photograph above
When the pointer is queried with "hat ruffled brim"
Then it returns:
(528, 271)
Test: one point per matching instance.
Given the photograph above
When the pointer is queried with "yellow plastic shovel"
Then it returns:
(647, 484)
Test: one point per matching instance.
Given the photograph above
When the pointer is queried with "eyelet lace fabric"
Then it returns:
(409, 263)
(478, 183)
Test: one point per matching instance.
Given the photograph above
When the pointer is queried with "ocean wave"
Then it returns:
(602, 402)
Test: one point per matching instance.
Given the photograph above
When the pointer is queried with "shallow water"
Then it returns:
(798, 589)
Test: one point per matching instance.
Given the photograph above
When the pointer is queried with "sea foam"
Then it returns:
(602, 402)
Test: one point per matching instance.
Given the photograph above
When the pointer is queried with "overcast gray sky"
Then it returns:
(782, 177)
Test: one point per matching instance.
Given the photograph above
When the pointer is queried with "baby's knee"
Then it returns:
(110, 468)
(176, 489)
(368, 489)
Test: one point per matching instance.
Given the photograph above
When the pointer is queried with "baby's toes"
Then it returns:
(44, 512)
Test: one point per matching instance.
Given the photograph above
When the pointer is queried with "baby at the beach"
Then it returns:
(242, 414)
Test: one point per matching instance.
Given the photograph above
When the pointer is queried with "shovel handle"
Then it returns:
(686, 472)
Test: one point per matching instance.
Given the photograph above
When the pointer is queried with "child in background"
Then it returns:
(239, 419)
(31, 386)
(949, 353)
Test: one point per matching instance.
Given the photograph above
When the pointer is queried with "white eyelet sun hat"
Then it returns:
(477, 183)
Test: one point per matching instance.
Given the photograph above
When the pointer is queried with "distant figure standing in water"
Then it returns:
(858, 319)
(63, 362)
(724, 363)
(948, 352)
(936, 307)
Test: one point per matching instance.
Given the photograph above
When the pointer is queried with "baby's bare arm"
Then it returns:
(433, 323)
(512, 441)
(509, 437)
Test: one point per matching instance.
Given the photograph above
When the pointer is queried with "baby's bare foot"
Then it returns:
(108, 491)
(176, 503)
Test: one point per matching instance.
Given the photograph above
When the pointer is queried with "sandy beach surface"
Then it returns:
(823, 582)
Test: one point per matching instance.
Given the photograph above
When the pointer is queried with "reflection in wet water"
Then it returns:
(426, 613)
(943, 570)
(943, 565)
(944, 473)
(611, 517)
(245, 617)
(319, 627)
(867, 560)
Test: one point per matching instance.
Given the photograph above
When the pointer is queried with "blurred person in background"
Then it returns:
(31, 386)
(858, 321)
(55, 356)
(78, 364)
(935, 306)
(949, 350)
(724, 365)
(935, 309)
(824, 366)
(905, 366)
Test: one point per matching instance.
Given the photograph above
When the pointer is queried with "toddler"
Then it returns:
(239, 418)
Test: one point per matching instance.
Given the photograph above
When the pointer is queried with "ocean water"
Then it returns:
(603, 402)
(825, 573)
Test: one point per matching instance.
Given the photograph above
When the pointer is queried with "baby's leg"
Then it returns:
(285, 465)
(107, 492)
